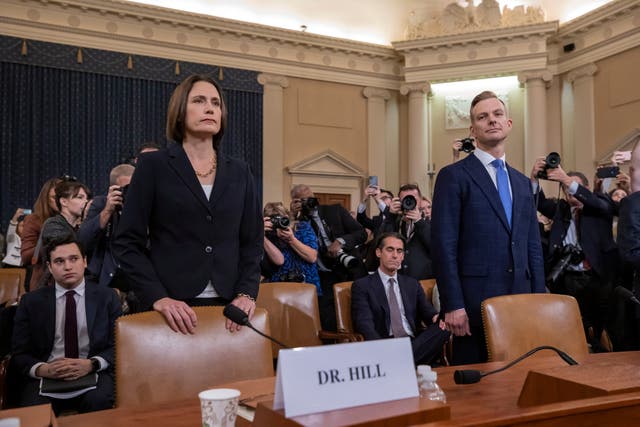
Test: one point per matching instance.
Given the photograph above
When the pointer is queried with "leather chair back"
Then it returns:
(294, 317)
(515, 324)
(427, 286)
(342, 295)
(11, 284)
(155, 364)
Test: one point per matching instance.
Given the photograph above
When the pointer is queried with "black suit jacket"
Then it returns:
(372, 223)
(370, 307)
(192, 240)
(34, 327)
(629, 230)
(595, 231)
(417, 258)
(341, 224)
(97, 242)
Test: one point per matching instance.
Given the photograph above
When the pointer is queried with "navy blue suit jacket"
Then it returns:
(629, 230)
(370, 307)
(35, 321)
(476, 255)
(192, 240)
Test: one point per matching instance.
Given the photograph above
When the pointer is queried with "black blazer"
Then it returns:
(417, 257)
(370, 307)
(35, 321)
(341, 224)
(97, 242)
(595, 234)
(629, 230)
(192, 240)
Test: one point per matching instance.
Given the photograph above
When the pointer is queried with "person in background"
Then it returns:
(191, 230)
(14, 231)
(291, 248)
(44, 208)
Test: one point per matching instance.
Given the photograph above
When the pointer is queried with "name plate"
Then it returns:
(324, 378)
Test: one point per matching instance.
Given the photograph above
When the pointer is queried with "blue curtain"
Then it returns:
(83, 121)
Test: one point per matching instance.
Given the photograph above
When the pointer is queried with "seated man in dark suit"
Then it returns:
(65, 332)
(386, 304)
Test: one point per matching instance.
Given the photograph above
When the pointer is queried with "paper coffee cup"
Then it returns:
(219, 407)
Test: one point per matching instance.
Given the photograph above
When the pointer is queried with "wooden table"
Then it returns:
(492, 401)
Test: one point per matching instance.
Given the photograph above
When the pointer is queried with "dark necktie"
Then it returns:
(394, 312)
(70, 327)
(502, 182)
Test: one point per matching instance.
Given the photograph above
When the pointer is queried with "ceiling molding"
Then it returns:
(140, 29)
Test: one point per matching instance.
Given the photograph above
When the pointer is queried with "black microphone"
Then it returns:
(471, 376)
(237, 315)
(626, 294)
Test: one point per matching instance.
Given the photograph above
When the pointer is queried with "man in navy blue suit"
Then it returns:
(65, 332)
(386, 304)
(485, 238)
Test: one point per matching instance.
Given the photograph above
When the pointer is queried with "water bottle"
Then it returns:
(428, 386)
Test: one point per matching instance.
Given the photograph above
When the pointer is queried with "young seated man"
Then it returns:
(386, 304)
(65, 332)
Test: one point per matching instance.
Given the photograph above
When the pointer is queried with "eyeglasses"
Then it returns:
(67, 178)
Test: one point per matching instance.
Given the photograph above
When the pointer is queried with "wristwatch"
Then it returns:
(95, 365)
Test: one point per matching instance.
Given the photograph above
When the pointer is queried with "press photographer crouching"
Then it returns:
(582, 257)
(290, 248)
(337, 234)
(97, 232)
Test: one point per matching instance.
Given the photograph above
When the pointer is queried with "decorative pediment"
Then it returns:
(327, 163)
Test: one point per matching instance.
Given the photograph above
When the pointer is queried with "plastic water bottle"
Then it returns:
(428, 386)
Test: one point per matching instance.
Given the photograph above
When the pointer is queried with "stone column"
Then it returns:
(535, 114)
(584, 133)
(272, 136)
(418, 132)
(377, 132)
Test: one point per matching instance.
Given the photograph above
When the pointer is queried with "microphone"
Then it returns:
(471, 376)
(237, 315)
(626, 294)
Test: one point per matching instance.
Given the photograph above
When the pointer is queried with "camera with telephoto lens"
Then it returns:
(307, 206)
(551, 162)
(467, 145)
(569, 255)
(408, 203)
(347, 260)
(279, 221)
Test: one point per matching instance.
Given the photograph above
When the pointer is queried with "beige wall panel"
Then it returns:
(321, 116)
(617, 99)
(403, 108)
(554, 115)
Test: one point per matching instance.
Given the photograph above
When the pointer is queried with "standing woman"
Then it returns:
(43, 209)
(191, 228)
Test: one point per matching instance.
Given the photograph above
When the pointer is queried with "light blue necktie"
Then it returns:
(502, 182)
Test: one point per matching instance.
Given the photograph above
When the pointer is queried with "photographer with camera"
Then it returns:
(582, 256)
(466, 145)
(406, 218)
(290, 248)
(97, 231)
(337, 234)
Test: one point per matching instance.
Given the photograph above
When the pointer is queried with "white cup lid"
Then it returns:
(219, 394)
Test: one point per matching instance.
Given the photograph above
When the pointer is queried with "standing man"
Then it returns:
(386, 304)
(65, 332)
(485, 238)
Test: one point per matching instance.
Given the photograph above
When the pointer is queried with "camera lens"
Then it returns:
(553, 160)
(408, 203)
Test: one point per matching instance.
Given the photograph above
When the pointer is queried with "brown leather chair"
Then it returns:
(427, 286)
(155, 364)
(515, 324)
(294, 316)
(11, 284)
(342, 296)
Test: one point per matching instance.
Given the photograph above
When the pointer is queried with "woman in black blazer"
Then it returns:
(191, 229)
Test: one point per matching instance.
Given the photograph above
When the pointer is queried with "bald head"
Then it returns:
(121, 175)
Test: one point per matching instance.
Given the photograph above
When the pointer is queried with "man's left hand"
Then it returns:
(70, 369)
(245, 304)
(334, 248)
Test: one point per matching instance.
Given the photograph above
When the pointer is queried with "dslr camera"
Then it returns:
(551, 162)
(307, 206)
(408, 203)
(348, 261)
(279, 221)
(467, 145)
(122, 190)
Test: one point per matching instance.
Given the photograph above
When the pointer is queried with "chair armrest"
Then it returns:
(340, 336)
